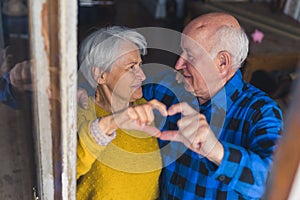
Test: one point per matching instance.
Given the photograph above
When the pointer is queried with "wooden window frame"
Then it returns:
(53, 42)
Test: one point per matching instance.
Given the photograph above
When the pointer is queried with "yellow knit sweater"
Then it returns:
(128, 168)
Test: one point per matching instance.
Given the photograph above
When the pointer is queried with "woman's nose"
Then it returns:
(140, 74)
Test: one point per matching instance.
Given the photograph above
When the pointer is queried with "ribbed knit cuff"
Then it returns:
(100, 137)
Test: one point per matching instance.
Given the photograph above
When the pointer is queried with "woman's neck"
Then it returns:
(106, 101)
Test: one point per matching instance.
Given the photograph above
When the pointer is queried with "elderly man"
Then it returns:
(230, 140)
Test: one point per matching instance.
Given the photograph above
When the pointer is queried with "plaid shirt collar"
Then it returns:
(225, 98)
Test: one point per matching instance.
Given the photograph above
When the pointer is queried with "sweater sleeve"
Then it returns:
(87, 148)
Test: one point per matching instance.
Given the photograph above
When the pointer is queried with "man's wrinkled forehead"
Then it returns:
(197, 38)
(202, 29)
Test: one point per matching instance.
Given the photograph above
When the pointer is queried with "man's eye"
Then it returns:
(190, 58)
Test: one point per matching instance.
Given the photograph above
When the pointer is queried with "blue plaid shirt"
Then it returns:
(248, 124)
(6, 95)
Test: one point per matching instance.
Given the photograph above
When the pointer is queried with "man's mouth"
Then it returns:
(136, 86)
(186, 75)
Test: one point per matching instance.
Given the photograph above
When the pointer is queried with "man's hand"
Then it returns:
(20, 76)
(7, 62)
(82, 98)
(194, 132)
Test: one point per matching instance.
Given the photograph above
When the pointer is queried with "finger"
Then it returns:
(132, 114)
(12, 79)
(83, 101)
(82, 98)
(174, 136)
(151, 130)
(149, 112)
(27, 87)
(142, 114)
(199, 139)
(26, 72)
(16, 73)
(159, 106)
(183, 108)
(187, 120)
(170, 136)
(190, 130)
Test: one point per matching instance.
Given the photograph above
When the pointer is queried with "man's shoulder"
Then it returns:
(255, 95)
(255, 101)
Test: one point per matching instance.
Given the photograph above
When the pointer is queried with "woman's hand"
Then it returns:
(139, 117)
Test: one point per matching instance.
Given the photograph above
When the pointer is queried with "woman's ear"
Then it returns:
(98, 75)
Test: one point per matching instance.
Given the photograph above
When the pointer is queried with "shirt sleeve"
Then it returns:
(87, 148)
(245, 168)
(6, 94)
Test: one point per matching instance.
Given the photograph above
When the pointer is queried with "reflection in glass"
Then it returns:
(17, 177)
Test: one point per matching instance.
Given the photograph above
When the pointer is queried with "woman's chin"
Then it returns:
(137, 95)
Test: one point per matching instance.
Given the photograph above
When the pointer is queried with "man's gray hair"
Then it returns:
(233, 40)
(102, 48)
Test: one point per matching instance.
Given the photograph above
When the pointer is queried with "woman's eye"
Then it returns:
(132, 68)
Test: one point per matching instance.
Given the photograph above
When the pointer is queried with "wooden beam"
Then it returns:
(53, 41)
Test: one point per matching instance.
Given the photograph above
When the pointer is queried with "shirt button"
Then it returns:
(221, 177)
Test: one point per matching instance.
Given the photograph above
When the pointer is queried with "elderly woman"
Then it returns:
(117, 158)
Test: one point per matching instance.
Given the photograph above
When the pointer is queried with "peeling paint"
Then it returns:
(45, 28)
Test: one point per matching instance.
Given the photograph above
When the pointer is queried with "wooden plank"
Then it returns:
(40, 54)
(53, 40)
(68, 78)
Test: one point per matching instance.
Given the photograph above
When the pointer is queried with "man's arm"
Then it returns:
(6, 94)
(243, 167)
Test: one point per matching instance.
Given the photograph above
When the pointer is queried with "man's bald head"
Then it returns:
(203, 27)
(219, 31)
(212, 21)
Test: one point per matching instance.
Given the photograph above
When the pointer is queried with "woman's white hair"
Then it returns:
(102, 48)
(232, 40)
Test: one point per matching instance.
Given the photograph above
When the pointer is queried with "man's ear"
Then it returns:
(98, 75)
(224, 62)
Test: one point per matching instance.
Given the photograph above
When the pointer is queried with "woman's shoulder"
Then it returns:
(140, 101)
(92, 110)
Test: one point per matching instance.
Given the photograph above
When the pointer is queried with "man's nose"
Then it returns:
(180, 64)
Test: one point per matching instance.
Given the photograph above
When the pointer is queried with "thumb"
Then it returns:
(170, 136)
(174, 136)
(151, 130)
